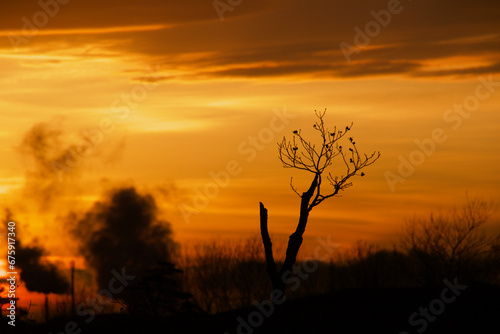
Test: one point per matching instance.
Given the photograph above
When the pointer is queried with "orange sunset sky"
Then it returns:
(181, 95)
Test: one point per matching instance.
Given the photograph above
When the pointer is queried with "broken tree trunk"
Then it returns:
(278, 278)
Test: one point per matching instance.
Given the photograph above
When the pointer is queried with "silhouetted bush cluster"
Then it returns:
(224, 276)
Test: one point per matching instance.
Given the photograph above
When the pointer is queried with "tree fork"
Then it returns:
(314, 159)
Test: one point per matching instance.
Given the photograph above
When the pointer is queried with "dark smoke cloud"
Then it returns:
(37, 274)
(124, 231)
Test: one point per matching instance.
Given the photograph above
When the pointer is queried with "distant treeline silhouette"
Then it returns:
(224, 276)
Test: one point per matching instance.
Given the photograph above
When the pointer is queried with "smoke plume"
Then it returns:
(54, 159)
(42, 145)
(123, 231)
(39, 275)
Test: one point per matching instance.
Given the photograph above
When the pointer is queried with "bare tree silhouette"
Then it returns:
(453, 244)
(301, 154)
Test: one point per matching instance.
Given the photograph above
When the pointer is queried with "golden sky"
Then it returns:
(179, 95)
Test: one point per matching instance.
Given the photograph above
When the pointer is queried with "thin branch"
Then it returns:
(291, 185)
(317, 160)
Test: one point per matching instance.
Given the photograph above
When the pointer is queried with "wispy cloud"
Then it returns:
(92, 31)
(282, 39)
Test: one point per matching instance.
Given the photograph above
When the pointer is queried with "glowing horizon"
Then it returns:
(177, 103)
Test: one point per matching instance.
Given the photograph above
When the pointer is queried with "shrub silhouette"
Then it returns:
(159, 293)
(224, 276)
(453, 244)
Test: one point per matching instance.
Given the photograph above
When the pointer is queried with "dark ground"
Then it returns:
(475, 310)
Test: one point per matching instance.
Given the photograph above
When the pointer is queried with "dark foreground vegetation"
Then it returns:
(370, 310)
(371, 291)
(442, 277)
